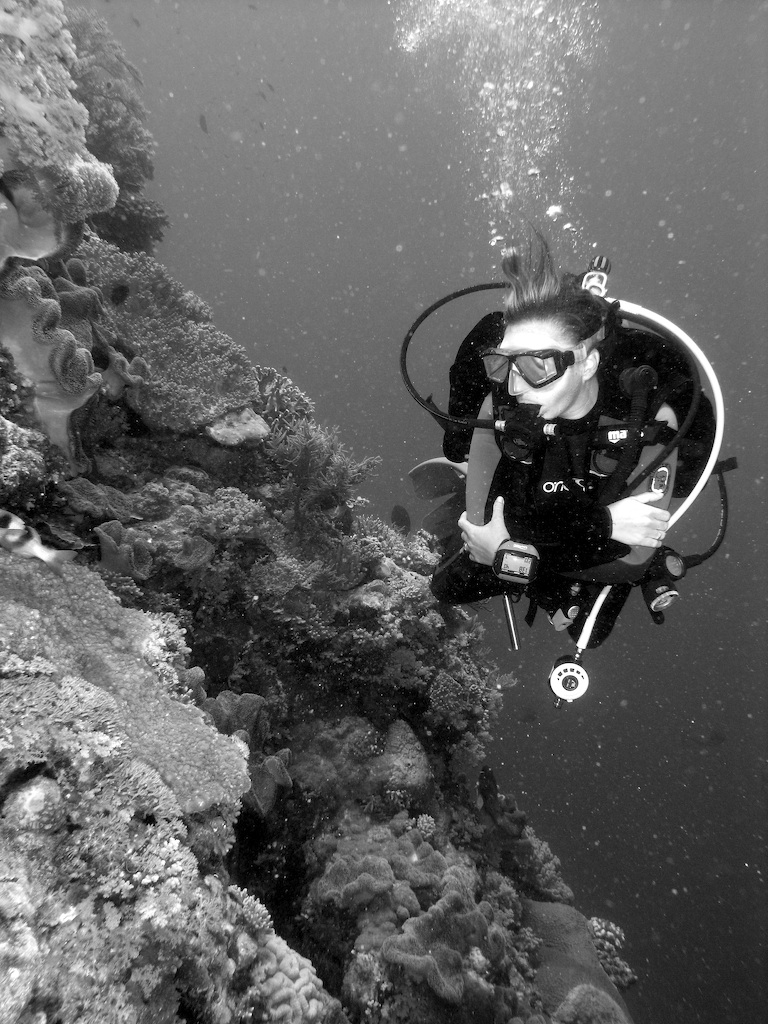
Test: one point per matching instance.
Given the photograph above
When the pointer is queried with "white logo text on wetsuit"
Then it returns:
(558, 486)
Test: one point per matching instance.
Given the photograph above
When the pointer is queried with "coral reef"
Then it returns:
(568, 958)
(60, 371)
(43, 124)
(198, 374)
(73, 620)
(609, 940)
(586, 1004)
(107, 84)
(238, 736)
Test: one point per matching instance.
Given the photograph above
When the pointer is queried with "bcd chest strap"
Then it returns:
(520, 433)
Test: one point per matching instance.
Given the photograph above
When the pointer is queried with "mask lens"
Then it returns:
(496, 366)
(537, 370)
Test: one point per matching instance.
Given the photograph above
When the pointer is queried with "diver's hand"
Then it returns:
(482, 542)
(634, 521)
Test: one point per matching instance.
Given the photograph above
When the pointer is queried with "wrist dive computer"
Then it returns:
(515, 562)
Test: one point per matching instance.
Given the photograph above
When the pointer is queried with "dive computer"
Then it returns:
(515, 562)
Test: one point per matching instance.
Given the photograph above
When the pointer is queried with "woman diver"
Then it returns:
(538, 483)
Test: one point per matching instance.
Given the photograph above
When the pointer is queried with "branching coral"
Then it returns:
(323, 472)
(539, 869)
(609, 941)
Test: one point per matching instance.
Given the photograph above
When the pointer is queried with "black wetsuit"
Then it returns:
(552, 502)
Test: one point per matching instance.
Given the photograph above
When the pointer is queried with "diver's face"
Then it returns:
(570, 396)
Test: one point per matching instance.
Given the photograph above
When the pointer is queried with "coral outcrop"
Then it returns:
(568, 957)
(49, 358)
(73, 621)
(43, 152)
(198, 374)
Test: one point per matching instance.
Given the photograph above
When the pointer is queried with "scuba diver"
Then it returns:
(575, 424)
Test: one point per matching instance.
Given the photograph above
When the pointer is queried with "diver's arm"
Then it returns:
(484, 456)
(577, 534)
(633, 521)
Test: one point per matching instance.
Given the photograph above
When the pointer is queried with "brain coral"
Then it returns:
(288, 984)
(73, 622)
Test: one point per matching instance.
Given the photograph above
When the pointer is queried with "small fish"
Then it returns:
(19, 539)
(400, 519)
(135, 21)
(262, 94)
(203, 123)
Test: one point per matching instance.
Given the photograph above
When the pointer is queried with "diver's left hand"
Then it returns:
(482, 542)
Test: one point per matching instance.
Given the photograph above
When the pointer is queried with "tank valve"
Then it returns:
(596, 278)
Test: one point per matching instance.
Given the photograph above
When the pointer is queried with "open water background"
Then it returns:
(335, 194)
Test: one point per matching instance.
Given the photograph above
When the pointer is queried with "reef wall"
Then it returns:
(236, 731)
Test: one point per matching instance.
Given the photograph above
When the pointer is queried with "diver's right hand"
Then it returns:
(634, 521)
(482, 542)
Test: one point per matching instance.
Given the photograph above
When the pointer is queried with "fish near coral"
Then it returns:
(20, 539)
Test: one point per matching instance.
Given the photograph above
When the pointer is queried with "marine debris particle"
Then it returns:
(520, 67)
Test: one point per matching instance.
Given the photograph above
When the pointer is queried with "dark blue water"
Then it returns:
(335, 195)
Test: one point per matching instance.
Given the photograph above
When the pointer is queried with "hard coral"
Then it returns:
(73, 621)
(288, 986)
(586, 1004)
(567, 955)
(334, 758)
(23, 469)
(198, 373)
(107, 85)
(43, 123)
(609, 940)
(103, 911)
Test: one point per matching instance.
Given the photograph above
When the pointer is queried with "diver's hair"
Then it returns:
(537, 291)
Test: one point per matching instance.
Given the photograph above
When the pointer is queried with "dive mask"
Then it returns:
(537, 369)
